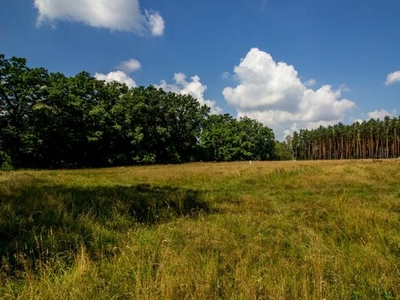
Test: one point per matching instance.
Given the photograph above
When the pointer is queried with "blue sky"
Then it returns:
(290, 64)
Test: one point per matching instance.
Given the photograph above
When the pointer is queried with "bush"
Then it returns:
(5, 162)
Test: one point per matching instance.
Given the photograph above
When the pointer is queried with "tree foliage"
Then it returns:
(227, 139)
(283, 151)
(48, 120)
(370, 139)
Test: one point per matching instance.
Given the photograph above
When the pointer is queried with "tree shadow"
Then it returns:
(39, 221)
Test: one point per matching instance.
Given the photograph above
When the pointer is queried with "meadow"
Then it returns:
(265, 230)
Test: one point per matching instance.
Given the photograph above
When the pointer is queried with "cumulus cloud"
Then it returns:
(264, 84)
(380, 114)
(393, 78)
(273, 93)
(193, 88)
(120, 75)
(129, 66)
(116, 76)
(323, 104)
(121, 15)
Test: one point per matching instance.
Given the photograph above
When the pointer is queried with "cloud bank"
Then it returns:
(273, 93)
(121, 15)
(380, 114)
(393, 78)
(193, 88)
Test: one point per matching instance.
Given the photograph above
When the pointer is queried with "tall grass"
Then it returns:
(288, 230)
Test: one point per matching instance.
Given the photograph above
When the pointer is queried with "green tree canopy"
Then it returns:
(49, 120)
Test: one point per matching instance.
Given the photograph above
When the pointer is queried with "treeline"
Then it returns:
(372, 139)
(49, 120)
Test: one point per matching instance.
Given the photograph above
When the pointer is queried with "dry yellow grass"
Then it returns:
(276, 230)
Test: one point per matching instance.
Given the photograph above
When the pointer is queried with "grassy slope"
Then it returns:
(288, 230)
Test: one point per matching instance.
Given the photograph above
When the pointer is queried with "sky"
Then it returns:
(290, 64)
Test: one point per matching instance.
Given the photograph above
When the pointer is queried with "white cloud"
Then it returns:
(122, 15)
(323, 104)
(273, 94)
(156, 23)
(380, 114)
(310, 83)
(264, 84)
(118, 76)
(129, 66)
(193, 88)
(393, 78)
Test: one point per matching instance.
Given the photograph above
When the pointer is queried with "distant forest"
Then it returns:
(48, 120)
(372, 139)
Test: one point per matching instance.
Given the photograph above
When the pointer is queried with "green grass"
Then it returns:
(266, 230)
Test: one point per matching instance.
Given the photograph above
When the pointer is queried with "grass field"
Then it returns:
(266, 230)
